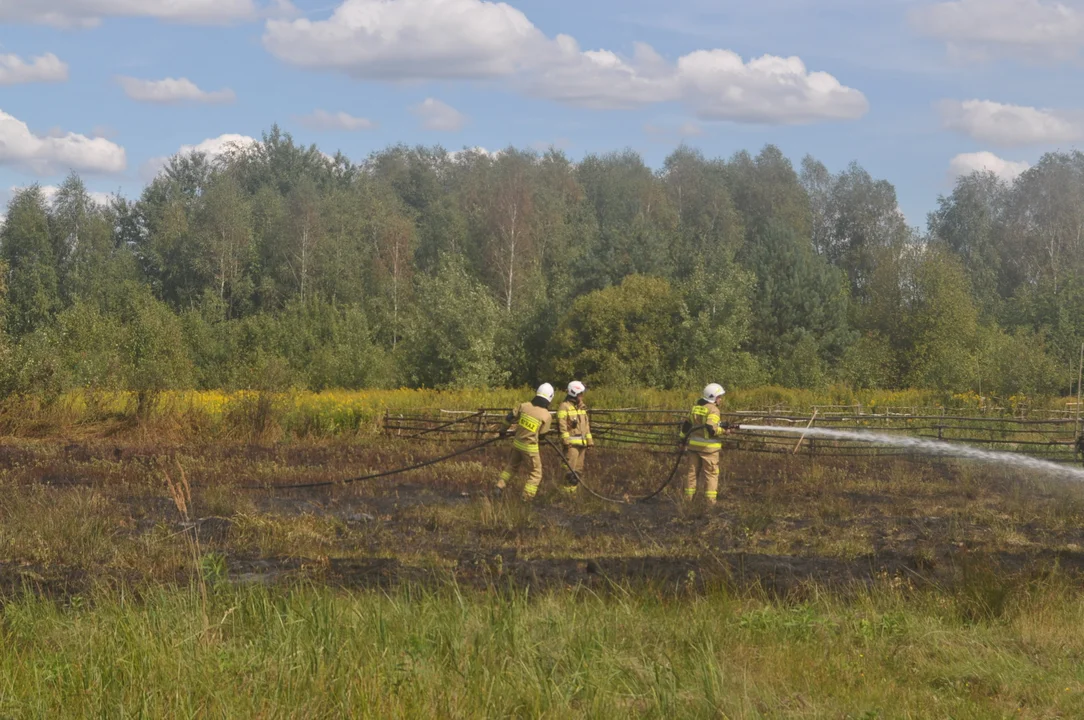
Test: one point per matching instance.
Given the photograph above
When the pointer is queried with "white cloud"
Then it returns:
(213, 148)
(439, 116)
(769, 89)
(323, 120)
(477, 39)
(45, 68)
(715, 84)
(172, 91)
(219, 146)
(89, 13)
(981, 27)
(1011, 125)
(476, 151)
(967, 163)
(410, 39)
(56, 152)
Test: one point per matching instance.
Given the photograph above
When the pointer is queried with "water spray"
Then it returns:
(929, 447)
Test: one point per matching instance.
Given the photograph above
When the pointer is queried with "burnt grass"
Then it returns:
(76, 514)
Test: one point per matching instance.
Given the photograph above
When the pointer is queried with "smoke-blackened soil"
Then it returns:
(76, 514)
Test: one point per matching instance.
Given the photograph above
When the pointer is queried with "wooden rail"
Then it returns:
(1047, 435)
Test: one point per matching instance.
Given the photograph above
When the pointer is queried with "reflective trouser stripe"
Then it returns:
(690, 491)
(530, 490)
(710, 444)
(712, 494)
(525, 447)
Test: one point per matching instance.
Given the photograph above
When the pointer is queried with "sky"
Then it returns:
(916, 91)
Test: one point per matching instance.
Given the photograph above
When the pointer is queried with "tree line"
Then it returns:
(275, 264)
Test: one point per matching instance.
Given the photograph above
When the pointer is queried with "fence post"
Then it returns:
(1079, 380)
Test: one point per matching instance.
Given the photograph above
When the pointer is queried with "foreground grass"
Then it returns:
(308, 652)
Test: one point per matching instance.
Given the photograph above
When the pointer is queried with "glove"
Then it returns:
(506, 433)
(686, 428)
(711, 431)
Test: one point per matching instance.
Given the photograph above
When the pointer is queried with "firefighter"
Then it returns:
(575, 430)
(704, 443)
(532, 420)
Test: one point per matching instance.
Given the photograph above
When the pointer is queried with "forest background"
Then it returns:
(276, 265)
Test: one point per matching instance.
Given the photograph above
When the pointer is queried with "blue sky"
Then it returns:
(913, 90)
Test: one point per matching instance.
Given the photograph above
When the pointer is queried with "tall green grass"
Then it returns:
(319, 653)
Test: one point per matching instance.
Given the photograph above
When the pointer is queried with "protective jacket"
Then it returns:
(705, 438)
(531, 421)
(574, 424)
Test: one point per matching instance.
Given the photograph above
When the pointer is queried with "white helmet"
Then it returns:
(713, 392)
(545, 390)
(576, 388)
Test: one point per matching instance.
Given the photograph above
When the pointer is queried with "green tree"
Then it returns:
(800, 307)
(767, 190)
(941, 326)
(856, 220)
(710, 232)
(968, 223)
(153, 348)
(33, 288)
(634, 219)
(452, 338)
(224, 230)
(645, 332)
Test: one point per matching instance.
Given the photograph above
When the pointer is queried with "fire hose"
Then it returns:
(669, 478)
(478, 446)
(376, 476)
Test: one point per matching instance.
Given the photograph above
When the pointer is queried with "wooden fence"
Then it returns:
(1049, 435)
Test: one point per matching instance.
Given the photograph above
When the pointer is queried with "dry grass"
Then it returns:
(815, 589)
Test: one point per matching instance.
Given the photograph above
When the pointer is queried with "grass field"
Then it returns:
(315, 652)
(140, 577)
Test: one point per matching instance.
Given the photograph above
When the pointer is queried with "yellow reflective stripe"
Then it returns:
(562, 414)
(700, 442)
(577, 441)
(529, 423)
(690, 491)
(530, 490)
(713, 418)
(525, 447)
(700, 410)
(589, 436)
(712, 494)
(565, 436)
